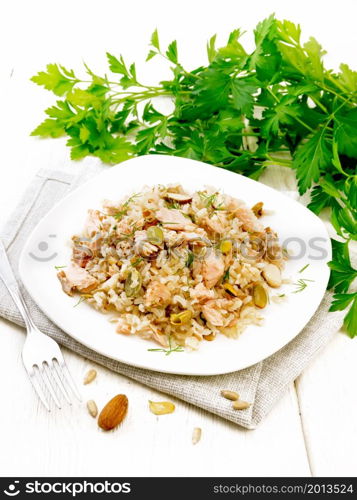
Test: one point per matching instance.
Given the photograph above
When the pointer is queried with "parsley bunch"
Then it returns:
(242, 111)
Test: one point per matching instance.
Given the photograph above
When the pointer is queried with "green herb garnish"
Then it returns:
(60, 267)
(125, 207)
(170, 349)
(208, 199)
(301, 285)
(126, 236)
(137, 261)
(190, 259)
(303, 268)
(173, 205)
(225, 276)
(81, 299)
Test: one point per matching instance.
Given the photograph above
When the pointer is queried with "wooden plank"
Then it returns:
(328, 403)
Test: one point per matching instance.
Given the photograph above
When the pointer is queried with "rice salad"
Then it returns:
(176, 268)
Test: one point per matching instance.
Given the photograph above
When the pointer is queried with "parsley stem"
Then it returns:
(319, 104)
(278, 163)
(304, 124)
(339, 96)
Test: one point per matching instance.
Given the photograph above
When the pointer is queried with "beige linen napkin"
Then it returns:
(262, 384)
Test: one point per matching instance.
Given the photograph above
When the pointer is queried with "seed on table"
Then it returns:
(196, 435)
(92, 408)
(161, 407)
(233, 396)
(240, 405)
(90, 376)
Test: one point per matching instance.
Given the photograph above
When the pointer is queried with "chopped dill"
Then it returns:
(125, 206)
(81, 299)
(137, 261)
(226, 276)
(303, 268)
(208, 199)
(173, 205)
(301, 285)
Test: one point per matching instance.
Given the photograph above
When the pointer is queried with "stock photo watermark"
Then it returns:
(252, 248)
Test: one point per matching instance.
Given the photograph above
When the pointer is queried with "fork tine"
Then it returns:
(60, 384)
(46, 377)
(36, 385)
(61, 365)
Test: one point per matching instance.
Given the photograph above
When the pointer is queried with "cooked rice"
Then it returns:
(118, 268)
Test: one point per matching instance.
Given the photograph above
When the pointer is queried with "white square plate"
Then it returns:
(292, 221)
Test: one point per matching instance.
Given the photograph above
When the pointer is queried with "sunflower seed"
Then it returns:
(90, 376)
(240, 405)
(196, 435)
(233, 396)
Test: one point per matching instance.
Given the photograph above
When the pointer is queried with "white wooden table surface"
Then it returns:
(313, 429)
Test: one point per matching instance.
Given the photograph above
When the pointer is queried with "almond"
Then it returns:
(113, 412)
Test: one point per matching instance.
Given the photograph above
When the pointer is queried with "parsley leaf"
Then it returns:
(310, 158)
(56, 78)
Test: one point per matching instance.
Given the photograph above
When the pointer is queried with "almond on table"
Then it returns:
(113, 413)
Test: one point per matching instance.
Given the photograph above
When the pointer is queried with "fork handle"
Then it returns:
(9, 280)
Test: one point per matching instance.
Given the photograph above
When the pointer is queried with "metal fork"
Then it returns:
(41, 355)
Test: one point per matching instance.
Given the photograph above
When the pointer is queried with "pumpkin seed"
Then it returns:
(161, 407)
(181, 318)
(258, 209)
(232, 290)
(92, 408)
(231, 395)
(260, 296)
(90, 376)
(240, 405)
(155, 235)
(196, 435)
(133, 283)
